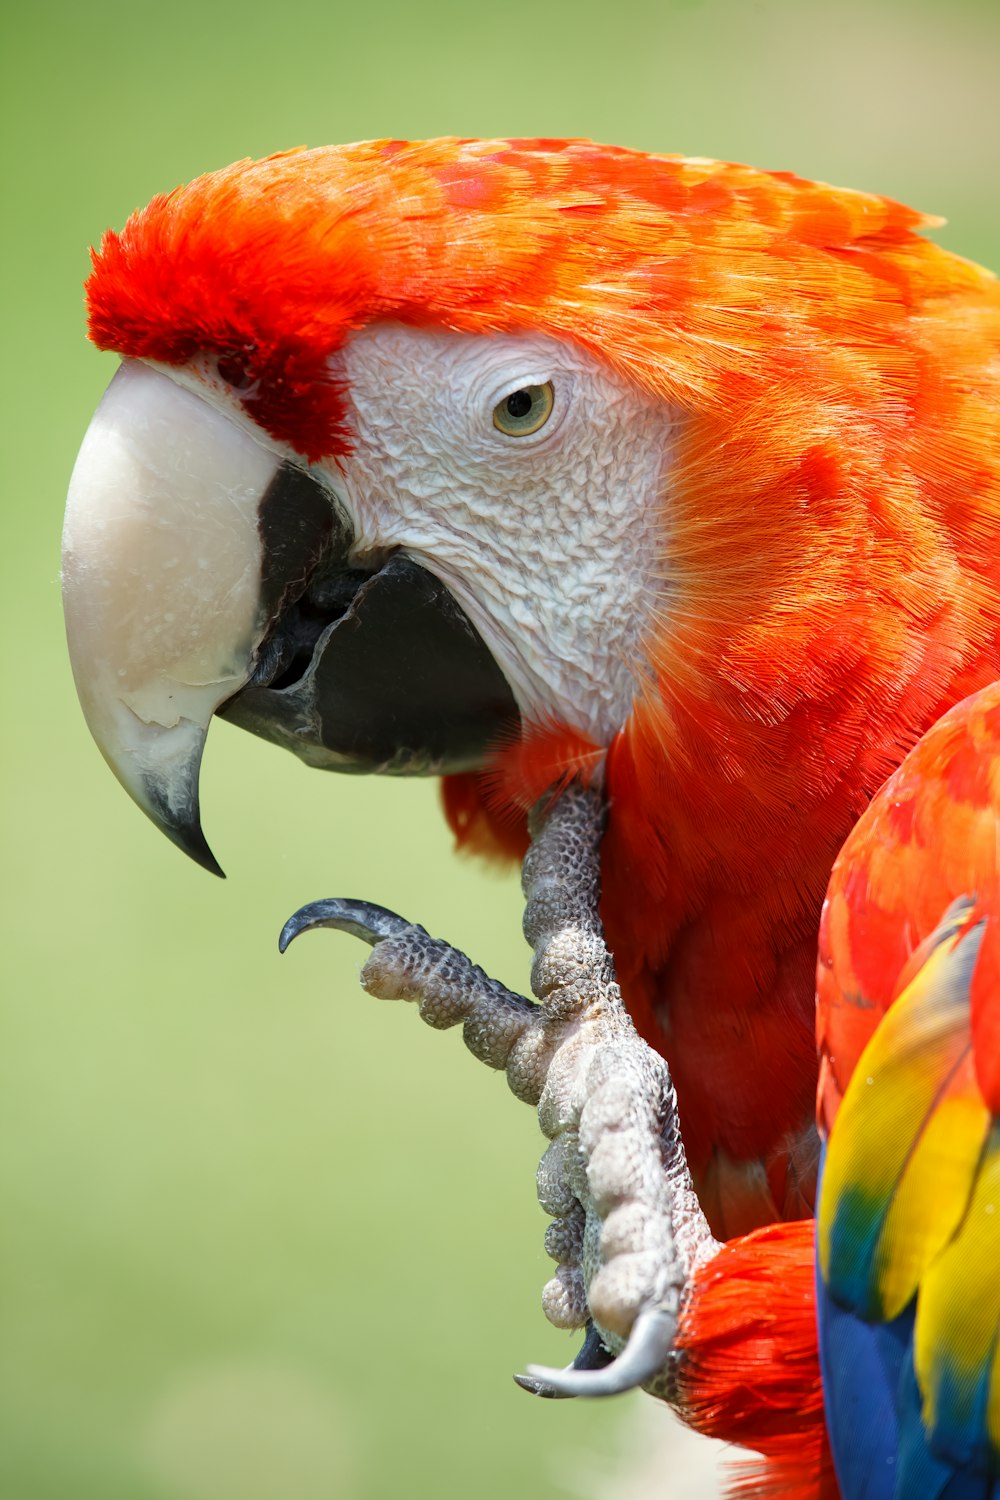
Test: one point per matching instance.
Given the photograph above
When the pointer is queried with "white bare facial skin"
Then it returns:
(552, 542)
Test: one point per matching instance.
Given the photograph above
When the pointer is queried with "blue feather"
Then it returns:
(874, 1413)
(862, 1366)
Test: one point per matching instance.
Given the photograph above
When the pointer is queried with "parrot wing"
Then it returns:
(902, 1395)
(908, 1295)
(907, 1233)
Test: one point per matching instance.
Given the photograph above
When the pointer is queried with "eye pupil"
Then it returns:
(519, 404)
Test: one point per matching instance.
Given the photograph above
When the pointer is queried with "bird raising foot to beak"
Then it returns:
(627, 1231)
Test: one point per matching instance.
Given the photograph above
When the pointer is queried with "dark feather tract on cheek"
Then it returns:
(235, 367)
(296, 401)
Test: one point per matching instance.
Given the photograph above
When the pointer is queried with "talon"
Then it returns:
(362, 919)
(592, 1355)
(629, 1229)
(539, 1388)
(647, 1351)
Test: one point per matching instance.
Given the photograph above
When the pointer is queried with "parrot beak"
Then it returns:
(203, 573)
(161, 571)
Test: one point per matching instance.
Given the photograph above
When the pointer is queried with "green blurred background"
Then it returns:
(265, 1238)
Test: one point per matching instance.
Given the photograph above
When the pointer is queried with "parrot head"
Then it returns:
(347, 488)
(424, 454)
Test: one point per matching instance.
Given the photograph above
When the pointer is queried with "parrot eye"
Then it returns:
(525, 410)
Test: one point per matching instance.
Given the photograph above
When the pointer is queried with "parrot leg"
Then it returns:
(627, 1230)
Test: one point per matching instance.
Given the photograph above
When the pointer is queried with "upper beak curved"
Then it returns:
(162, 560)
(204, 573)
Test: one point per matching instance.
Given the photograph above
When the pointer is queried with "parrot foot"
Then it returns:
(627, 1230)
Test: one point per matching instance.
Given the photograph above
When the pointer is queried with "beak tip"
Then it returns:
(190, 839)
(172, 805)
(208, 862)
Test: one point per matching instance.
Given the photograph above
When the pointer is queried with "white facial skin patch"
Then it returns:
(552, 542)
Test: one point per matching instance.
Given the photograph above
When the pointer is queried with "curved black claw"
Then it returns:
(647, 1351)
(592, 1355)
(540, 1388)
(372, 924)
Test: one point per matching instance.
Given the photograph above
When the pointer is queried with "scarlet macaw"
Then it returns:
(514, 461)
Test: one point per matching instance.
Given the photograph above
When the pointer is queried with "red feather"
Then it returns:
(750, 1368)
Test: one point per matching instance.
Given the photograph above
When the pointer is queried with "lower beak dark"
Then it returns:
(379, 672)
